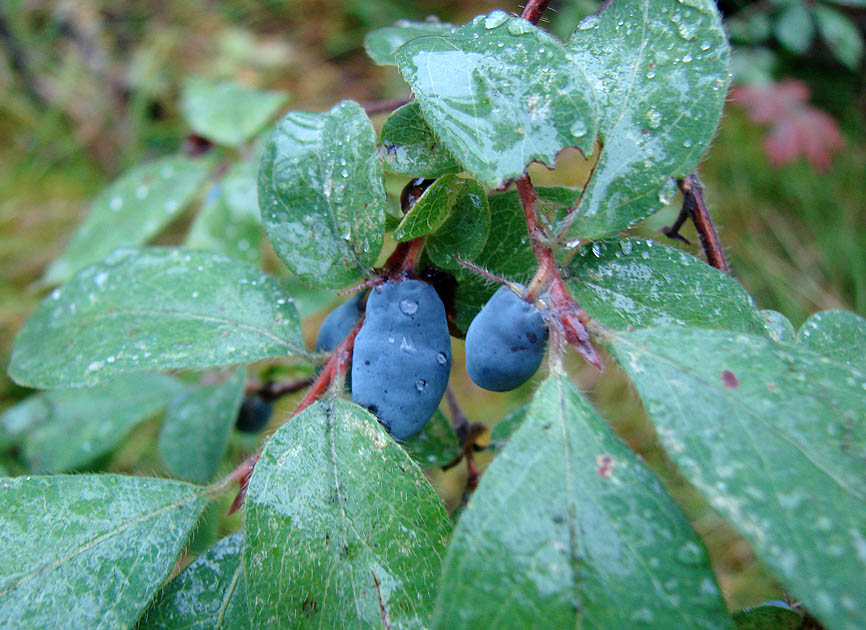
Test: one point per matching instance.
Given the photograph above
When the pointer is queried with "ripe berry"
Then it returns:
(254, 414)
(402, 356)
(338, 324)
(505, 342)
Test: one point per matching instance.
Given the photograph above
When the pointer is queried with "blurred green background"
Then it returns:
(91, 87)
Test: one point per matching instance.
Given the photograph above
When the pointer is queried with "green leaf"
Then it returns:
(775, 437)
(322, 195)
(240, 191)
(637, 283)
(568, 529)
(500, 93)
(794, 28)
(84, 424)
(839, 335)
(779, 328)
(505, 428)
(132, 210)
(431, 209)
(841, 34)
(659, 70)
(209, 595)
(334, 506)
(17, 421)
(89, 551)
(197, 426)
(216, 228)
(769, 616)
(154, 309)
(409, 146)
(381, 43)
(436, 445)
(225, 112)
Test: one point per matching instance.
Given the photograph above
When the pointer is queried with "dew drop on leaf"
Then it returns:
(578, 129)
(495, 19)
(589, 22)
(667, 191)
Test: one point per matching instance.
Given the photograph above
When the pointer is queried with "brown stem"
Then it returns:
(413, 254)
(272, 391)
(533, 10)
(387, 105)
(695, 208)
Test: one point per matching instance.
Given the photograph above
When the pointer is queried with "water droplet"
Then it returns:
(408, 307)
(420, 384)
(642, 615)
(589, 22)
(344, 173)
(690, 553)
(705, 45)
(687, 58)
(116, 203)
(441, 358)
(686, 31)
(667, 191)
(650, 74)
(578, 129)
(519, 26)
(626, 247)
(596, 249)
(687, 143)
(391, 339)
(495, 19)
(141, 192)
(654, 118)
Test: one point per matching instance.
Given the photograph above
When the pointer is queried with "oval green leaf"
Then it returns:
(89, 551)
(500, 93)
(209, 595)
(436, 445)
(132, 210)
(568, 529)
(154, 309)
(84, 424)
(636, 283)
(409, 146)
(839, 335)
(197, 426)
(225, 112)
(779, 328)
(774, 436)
(339, 511)
(216, 228)
(322, 195)
(659, 69)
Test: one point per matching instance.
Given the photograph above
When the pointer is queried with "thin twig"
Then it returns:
(695, 208)
(274, 390)
(533, 10)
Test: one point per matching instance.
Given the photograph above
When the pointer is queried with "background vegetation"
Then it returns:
(90, 87)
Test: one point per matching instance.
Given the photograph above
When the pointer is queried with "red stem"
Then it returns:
(533, 10)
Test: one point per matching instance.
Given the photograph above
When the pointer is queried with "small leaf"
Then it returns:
(409, 146)
(779, 328)
(225, 112)
(568, 529)
(660, 73)
(774, 436)
(841, 34)
(465, 231)
(436, 445)
(132, 210)
(839, 335)
(381, 43)
(197, 425)
(794, 28)
(636, 283)
(209, 595)
(154, 309)
(322, 195)
(334, 507)
(84, 424)
(431, 209)
(240, 191)
(770, 616)
(217, 229)
(89, 551)
(500, 93)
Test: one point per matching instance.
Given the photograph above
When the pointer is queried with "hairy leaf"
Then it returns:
(154, 309)
(225, 112)
(209, 595)
(409, 146)
(659, 70)
(839, 335)
(338, 518)
(568, 529)
(637, 283)
(775, 437)
(130, 212)
(322, 195)
(197, 426)
(83, 424)
(500, 93)
(779, 328)
(89, 551)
